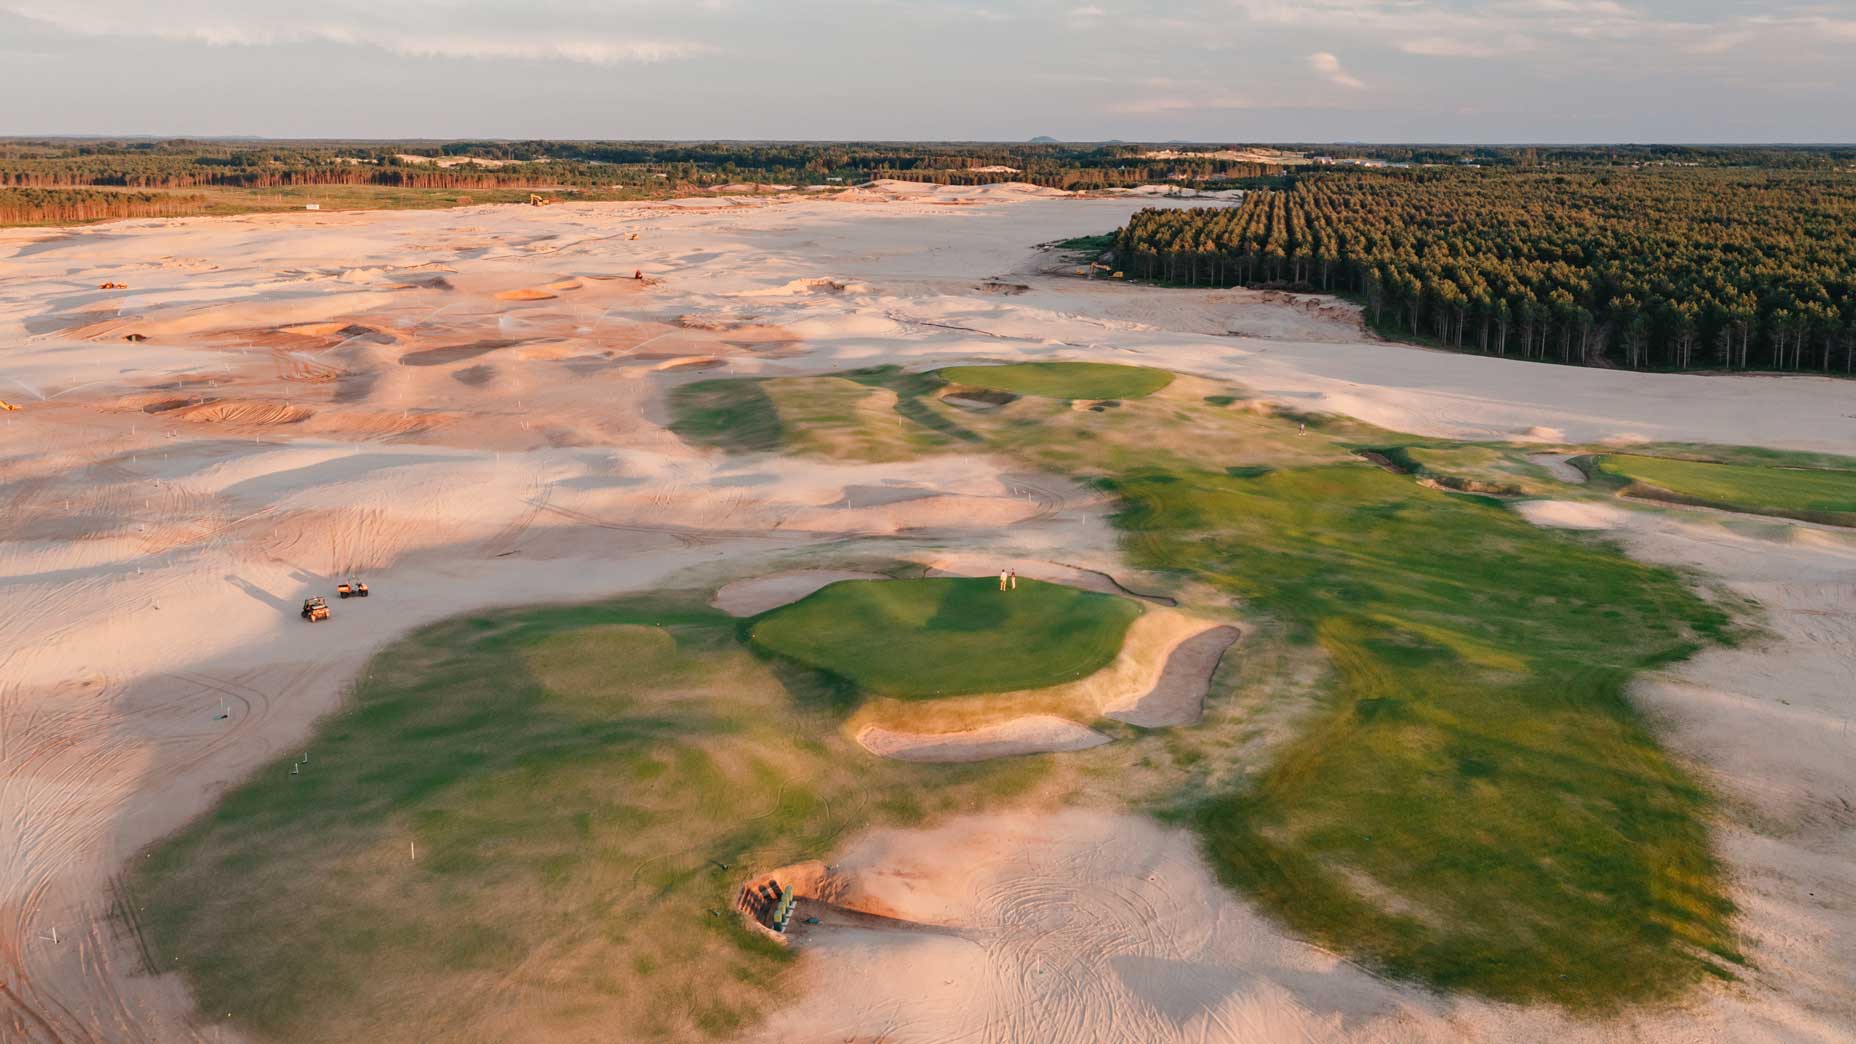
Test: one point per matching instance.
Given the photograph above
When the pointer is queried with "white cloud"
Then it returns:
(1330, 69)
(1456, 47)
(475, 33)
(1177, 103)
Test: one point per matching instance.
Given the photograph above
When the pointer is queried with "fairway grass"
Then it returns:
(1063, 380)
(585, 787)
(948, 636)
(1471, 801)
(1474, 803)
(1810, 494)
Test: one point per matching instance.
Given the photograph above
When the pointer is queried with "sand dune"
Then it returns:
(351, 393)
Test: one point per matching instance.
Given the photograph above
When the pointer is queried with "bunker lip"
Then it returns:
(1159, 679)
(1030, 734)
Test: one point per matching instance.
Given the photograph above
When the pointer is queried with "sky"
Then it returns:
(1078, 70)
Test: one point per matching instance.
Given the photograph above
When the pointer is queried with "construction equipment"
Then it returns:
(7, 407)
(538, 200)
(315, 609)
(113, 286)
(352, 589)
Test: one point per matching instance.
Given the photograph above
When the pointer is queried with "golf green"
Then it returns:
(1064, 380)
(916, 639)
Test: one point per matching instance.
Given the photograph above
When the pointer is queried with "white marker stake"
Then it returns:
(412, 848)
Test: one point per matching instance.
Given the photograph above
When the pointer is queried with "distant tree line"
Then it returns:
(73, 206)
(1654, 268)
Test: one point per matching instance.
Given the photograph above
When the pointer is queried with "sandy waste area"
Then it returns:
(466, 408)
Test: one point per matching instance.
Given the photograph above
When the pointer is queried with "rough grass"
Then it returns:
(917, 639)
(1811, 494)
(585, 786)
(1476, 805)
(1473, 803)
(1064, 380)
(731, 414)
(870, 415)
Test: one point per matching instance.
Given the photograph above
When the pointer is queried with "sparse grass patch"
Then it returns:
(945, 636)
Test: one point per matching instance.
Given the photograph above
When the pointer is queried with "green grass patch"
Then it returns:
(731, 414)
(1091, 245)
(916, 639)
(1476, 804)
(585, 785)
(1064, 380)
(880, 414)
(1811, 494)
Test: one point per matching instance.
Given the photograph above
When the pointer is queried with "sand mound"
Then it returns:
(1572, 514)
(763, 593)
(533, 293)
(456, 352)
(799, 287)
(1073, 926)
(243, 411)
(1032, 734)
(691, 362)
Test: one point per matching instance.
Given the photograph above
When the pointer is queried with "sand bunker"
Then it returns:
(1158, 679)
(766, 593)
(1178, 696)
(1032, 734)
(1560, 465)
(1572, 514)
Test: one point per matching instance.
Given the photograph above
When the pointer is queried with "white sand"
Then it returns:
(467, 409)
(1560, 466)
(1030, 734)
(756, 595)
(1177, 696)
(1573, 514)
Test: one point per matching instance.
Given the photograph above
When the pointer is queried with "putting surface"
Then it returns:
(1064, 380)
(917, 639)
(1817, 495)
